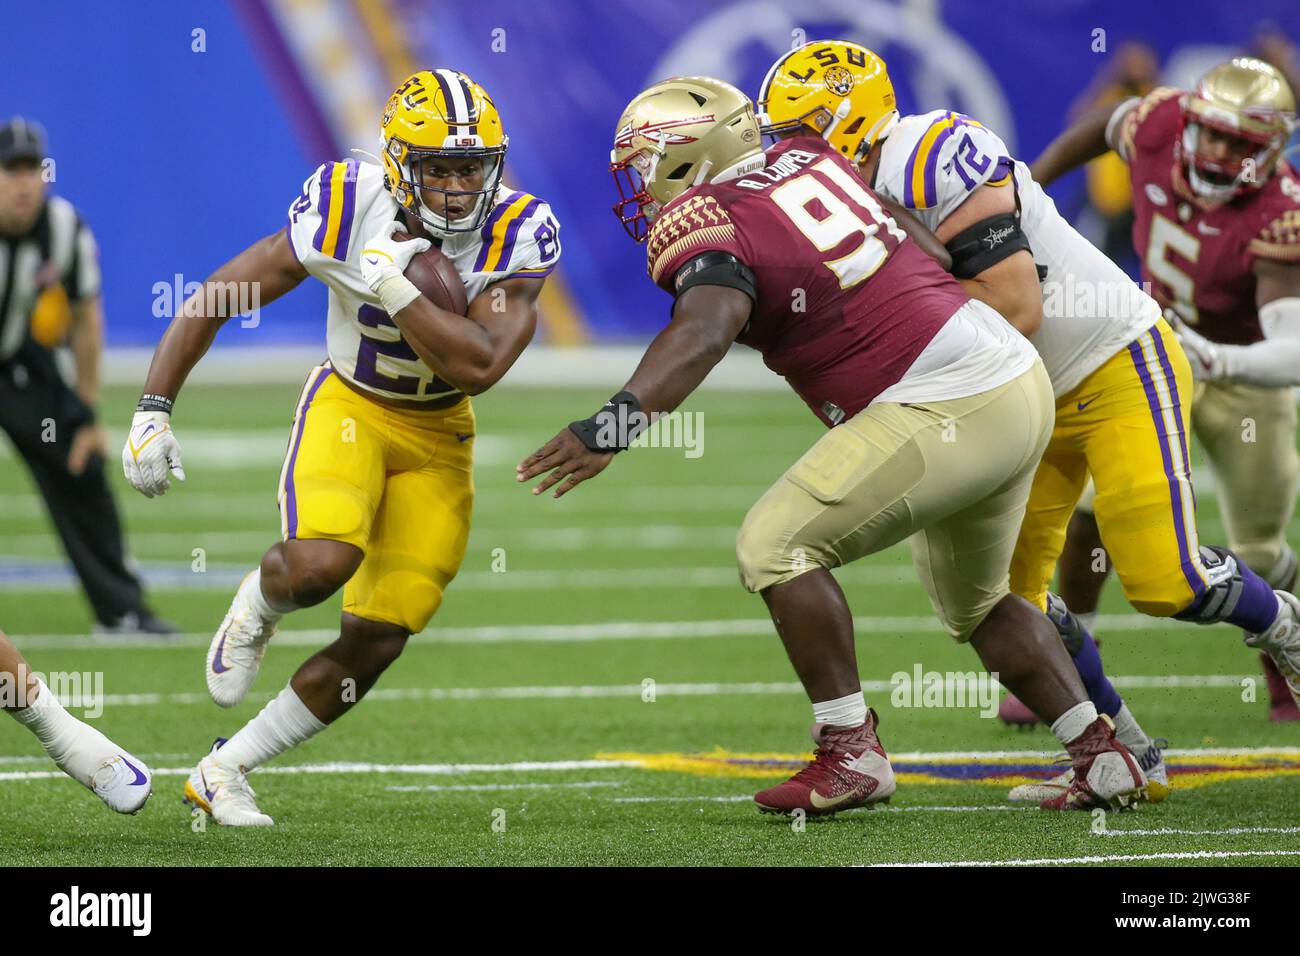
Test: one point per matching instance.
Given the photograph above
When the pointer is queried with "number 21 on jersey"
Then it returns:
(841, 222)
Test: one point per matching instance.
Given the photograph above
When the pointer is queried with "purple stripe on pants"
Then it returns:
(290, 495)
(1153, 403)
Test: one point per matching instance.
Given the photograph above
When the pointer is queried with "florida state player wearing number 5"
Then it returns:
(376, 490)
(939, 411)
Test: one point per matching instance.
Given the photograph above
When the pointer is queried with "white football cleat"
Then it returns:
(236, 652)
(123, 782)
(1152, 763)
(223, 793)
(1282, 641)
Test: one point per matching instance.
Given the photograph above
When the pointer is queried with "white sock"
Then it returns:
(1089, 622)
(848, 711)
(253, 597)
(1070, 726)
(283, 723)
(74, 745)
(1130, 734)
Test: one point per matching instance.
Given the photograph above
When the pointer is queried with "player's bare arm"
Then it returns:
(1082, 142)
(269, 262)
(930, 244)
(472, 353)
(86, 339)
(1010, 285)
(706, 320)
(151, 451)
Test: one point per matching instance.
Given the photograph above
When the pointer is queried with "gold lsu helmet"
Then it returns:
(1245, 98)
(441, 113)
(838, 90)
(678, 134)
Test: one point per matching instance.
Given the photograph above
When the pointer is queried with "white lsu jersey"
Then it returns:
(344, 204)
(932, 162)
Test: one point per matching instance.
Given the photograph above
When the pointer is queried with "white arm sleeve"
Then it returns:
(1274, 361)
(1116, 118)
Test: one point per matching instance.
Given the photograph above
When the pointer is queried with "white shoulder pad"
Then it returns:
(521, 237)
(322, 220)
(933, 161)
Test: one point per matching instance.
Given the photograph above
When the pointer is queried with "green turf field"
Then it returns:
(517, 729)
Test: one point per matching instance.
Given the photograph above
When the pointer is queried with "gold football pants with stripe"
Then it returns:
(397, 484)
(1128, 424)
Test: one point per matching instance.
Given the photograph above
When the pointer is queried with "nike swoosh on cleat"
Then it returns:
(218, 666)
(140, 779)
(825, 803)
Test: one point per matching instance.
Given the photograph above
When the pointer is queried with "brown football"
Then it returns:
(436, 278)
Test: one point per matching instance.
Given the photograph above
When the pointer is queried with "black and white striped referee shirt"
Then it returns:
(59, 248)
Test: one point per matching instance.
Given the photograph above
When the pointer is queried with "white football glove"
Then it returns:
(1205, 357)
(383, 262)
(151, 451)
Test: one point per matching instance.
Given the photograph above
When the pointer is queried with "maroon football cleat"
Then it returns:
(849, 769)
(1014, 713)
(1281, 705)
(1105, 773)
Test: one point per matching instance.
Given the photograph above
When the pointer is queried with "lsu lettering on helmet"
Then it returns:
(678, 134)
(838, 90)
(1246, 99)
(441, 114)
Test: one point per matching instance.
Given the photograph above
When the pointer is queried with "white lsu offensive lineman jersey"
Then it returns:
(344, 204)
(932, 162)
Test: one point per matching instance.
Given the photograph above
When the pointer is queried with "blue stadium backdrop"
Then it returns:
(184, 130)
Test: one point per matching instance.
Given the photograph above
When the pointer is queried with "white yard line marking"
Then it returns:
(27, 574)
(477, 787)
(1119, 858)
(437, 769)
(605, 631)
(739, 798)
(631, 691)
(1226, 831)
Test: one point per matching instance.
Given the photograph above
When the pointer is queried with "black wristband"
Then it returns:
(154, 403)
(614, 427)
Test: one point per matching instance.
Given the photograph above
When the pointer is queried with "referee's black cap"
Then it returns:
(21, 139)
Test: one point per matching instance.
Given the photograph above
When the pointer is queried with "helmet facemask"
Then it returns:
(632, 177)
(1217, 179)
(412, 186)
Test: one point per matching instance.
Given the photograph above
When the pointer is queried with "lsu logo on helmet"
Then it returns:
(833, 89)
(441, 114)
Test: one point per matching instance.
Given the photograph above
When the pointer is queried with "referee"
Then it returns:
(49, 265)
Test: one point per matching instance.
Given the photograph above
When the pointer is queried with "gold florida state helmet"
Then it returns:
(1244, 98)
(678, 134)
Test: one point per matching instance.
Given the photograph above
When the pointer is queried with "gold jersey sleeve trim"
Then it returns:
(698, 221)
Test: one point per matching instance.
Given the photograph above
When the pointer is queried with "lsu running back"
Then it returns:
(376, 491)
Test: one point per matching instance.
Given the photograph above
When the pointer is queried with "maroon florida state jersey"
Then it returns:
(846, 302)
(1200, 257)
